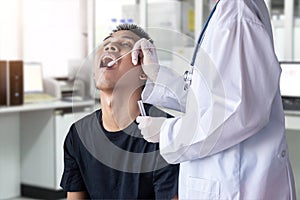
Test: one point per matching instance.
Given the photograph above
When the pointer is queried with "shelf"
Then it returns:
(46, 106)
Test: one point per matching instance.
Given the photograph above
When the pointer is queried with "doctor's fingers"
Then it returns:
(136, 51)
(143, 121)
(144, 49)
(145, 126)
(153, 139)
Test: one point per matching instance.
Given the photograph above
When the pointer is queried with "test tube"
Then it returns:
(141, 107)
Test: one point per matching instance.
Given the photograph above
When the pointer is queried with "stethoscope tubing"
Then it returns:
(188, 74)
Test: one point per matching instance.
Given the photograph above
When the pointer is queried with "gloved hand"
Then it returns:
(150, 127)
(145, 52)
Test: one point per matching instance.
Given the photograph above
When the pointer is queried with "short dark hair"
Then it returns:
(133, 28)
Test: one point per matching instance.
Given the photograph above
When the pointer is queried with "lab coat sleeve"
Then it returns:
(231, 105)
(167, 91)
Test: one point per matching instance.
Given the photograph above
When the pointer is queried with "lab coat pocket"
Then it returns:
(203, 189)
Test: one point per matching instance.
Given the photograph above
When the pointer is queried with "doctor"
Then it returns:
(230, 142)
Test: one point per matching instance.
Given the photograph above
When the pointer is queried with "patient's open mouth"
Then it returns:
(105, 60)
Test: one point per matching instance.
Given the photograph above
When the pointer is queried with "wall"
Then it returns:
(10, 30)
(52, 34)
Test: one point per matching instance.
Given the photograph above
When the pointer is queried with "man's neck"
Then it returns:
(119, 109)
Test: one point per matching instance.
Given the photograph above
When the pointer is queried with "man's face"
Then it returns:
(114, 46)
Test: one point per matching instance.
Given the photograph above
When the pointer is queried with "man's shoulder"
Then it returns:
(88, 122)
(153, 111)
(91, 116)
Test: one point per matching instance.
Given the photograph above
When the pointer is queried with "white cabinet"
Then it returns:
(37, 148)
(42, 136)
(9, 155)
(293, 137)
(31, 137)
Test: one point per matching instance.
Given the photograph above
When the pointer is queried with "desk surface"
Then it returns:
(292, 112)
(45, 106)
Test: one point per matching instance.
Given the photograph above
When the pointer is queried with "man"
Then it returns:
(105, 154)
(231, 141)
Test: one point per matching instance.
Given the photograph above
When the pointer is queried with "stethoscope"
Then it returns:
(189, 73)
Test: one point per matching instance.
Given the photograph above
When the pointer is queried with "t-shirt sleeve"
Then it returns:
(166, 182)
(71, 179)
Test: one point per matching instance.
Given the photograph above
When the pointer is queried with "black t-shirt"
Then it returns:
(118, 165)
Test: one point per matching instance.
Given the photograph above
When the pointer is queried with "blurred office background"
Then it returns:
(61, 36)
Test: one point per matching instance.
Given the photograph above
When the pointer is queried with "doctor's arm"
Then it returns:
(231, 105)
(164, 86)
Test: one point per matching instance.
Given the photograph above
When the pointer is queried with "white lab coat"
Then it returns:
(231, 141)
